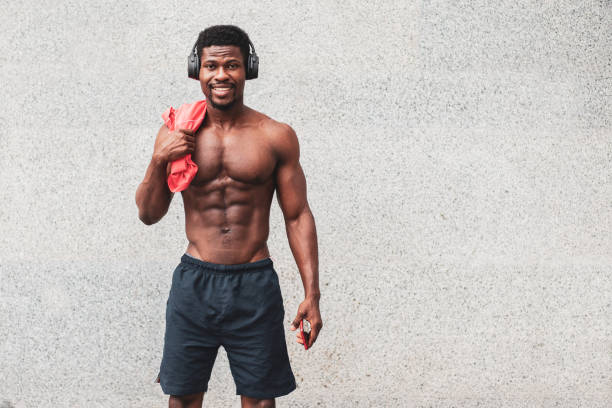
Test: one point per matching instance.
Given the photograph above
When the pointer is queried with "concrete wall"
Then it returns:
(458, 158)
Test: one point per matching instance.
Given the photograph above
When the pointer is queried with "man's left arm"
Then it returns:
(300, 226)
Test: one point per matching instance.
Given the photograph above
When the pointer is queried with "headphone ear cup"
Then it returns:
(193, 64)
(253, 66)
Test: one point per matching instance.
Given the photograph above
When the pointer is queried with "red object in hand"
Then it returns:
(188, 116)
(305, 334)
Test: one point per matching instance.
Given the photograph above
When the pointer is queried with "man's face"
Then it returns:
(222, 75)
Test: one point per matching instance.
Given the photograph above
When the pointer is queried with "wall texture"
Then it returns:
(459, 166)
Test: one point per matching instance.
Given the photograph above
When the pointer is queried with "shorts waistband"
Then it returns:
(227, 268)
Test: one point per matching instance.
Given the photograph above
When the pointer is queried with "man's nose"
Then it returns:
(221, 74)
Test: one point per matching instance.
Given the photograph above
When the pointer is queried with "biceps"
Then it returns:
(291, 190)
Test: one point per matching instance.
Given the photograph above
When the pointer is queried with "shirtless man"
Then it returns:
(225, 290)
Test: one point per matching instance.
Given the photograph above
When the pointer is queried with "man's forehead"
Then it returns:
(221, 51)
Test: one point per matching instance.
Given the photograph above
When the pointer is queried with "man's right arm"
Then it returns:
(153, 196)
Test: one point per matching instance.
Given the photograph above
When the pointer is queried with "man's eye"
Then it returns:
(233, 66)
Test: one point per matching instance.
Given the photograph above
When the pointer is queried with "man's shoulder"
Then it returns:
(275, 130)
(281, 138)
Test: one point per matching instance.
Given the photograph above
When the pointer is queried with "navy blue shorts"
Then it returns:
(239, 307)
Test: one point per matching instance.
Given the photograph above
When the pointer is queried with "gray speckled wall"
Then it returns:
(458, 158)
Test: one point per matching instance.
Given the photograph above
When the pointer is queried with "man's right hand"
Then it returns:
(174, 144)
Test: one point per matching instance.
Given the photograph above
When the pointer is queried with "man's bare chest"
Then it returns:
(246, 157)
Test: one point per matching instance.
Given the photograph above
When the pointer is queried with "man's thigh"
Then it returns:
(254, 337)
(190, 346)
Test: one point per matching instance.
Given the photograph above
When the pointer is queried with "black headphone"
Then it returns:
(193, 63)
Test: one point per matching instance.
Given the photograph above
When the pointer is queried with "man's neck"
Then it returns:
(225, 119)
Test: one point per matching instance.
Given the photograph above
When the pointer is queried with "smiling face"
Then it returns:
(222, 75)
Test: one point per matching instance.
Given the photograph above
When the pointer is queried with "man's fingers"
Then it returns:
(296, 322)
(312, 338)
(314, 333)
(187, 131)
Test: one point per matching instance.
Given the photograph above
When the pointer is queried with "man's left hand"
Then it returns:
(309, 310)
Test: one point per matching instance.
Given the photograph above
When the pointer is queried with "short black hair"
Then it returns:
(224, 35)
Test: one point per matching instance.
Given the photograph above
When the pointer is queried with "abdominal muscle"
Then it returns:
(228, 226)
